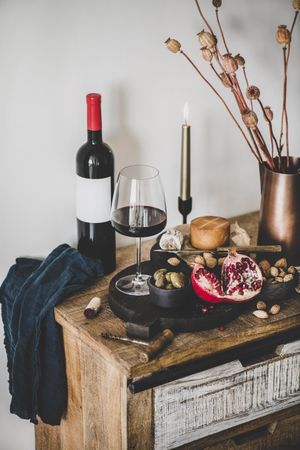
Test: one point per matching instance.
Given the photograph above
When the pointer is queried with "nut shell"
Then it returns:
(274, 309)
(282, 262)
(173, 261)
(261, 305)
(199, 260)
(261, 314)
(288, 277)
(210, 260)
(274, 272)
(279, 279)
(265, 267)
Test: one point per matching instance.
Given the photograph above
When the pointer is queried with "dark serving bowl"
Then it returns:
(169, 298)
(279, 291)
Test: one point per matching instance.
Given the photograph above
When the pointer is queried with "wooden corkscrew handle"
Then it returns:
(156, 345)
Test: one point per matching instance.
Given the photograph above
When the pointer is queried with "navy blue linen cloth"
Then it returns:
(32, 338)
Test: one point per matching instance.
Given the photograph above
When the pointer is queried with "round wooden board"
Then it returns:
(139, 310)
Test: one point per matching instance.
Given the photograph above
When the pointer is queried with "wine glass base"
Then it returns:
(133, 285)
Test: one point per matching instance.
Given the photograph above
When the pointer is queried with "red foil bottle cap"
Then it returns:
(94, 121)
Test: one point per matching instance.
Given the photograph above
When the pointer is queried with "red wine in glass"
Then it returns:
(153, 221)
(138, 210)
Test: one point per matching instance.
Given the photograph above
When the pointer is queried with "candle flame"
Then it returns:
(186, 112)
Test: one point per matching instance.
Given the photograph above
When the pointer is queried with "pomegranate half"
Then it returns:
(241, 280)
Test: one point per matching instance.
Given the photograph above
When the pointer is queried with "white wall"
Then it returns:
(53, 52)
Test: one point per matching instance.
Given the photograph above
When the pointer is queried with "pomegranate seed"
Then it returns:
(204, 310)
(221, 328)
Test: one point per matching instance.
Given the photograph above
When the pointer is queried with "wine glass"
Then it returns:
(138, 210)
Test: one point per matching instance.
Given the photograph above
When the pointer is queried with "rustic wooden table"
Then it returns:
(237, 388)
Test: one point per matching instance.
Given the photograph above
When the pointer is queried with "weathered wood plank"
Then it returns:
(72, 425)
(140, 421)
(202, 404)
(47, 437)
(104, 403)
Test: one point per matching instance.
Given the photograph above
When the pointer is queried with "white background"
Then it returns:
(53, 52)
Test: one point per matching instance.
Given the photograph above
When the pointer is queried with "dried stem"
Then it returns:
(286, 62)
(283, 113)
(293, 24)
(221, 98)
(214, 69)
(263, 147)
(217, 57)
(272, 136)
(271, 139)
(237, 86)
(221, 30)
(202, 16)
(255, 145)
(247, 84)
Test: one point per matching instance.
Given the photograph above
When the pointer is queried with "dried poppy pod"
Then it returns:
(283, 35)
(207, 39)
(173, 45)
(217, 3)
(239, 59)
(229, 63)
(206, 54)
(250, 119)
(296, 4)
(252, 92)
(225, 80)
(268, 113)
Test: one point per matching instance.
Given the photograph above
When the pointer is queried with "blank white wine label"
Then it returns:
(93, 199)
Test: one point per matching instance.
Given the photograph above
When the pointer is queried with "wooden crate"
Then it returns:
(115, 402)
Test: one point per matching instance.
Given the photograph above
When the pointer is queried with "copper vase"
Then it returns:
(279, 220)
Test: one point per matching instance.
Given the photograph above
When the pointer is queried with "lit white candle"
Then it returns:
(185, 170)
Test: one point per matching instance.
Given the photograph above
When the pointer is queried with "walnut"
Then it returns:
(265, 267)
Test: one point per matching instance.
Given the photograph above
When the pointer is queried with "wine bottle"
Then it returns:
(94, 189)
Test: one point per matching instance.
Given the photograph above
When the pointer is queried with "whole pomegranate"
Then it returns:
(241, 280)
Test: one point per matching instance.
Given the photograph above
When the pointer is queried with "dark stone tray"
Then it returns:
(145, 319)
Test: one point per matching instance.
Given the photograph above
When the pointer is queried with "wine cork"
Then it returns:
(92, 308)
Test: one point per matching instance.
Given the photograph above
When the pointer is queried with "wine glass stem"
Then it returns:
(138, 257)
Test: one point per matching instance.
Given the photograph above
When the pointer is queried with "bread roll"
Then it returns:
(209, 232)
